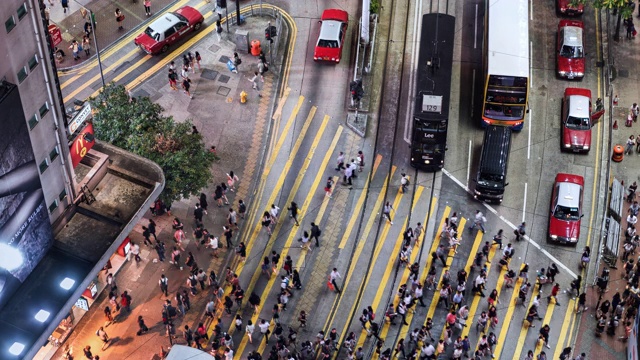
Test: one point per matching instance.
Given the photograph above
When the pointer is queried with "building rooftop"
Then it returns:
(84, 240)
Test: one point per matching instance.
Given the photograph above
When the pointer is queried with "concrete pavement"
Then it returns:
(240, 133)
(625, 56)
(72, 23)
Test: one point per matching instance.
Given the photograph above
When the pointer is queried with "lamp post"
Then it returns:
(95, 40)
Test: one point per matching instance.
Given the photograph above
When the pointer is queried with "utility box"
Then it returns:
(242, 41)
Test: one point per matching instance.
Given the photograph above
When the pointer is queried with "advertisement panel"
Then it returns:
(82, 144)
(25, 230)
(56, 35)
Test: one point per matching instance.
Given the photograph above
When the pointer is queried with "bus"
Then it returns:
(506, 91)
(433, 88)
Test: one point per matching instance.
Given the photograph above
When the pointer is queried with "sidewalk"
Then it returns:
(72, 23)
(213, 87)
(626, 55)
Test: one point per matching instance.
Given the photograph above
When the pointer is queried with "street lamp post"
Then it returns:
(95, 40)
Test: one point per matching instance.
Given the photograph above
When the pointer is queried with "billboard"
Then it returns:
(82, 144)
(25, 230)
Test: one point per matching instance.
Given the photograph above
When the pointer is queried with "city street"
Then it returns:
(284, 147)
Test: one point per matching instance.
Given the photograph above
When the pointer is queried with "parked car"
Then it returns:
(564, 7)
(332, 34)
(566, 208)
(169, 29)
(570, 59)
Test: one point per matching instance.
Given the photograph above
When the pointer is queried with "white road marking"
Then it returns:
(475, 29)
(512, 226)
(473, 88)
(531, 10)
(469, 164)
(408, 124)
(529, 141)
(530, 65)
(524, 205)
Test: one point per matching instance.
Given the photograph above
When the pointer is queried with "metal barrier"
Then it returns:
(617, 200)
(611, 242)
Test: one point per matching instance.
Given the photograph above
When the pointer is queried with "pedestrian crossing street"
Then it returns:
(365, 247)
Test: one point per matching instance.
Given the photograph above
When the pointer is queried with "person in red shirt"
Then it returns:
(554, 293)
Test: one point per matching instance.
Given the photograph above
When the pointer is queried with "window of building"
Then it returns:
(44, 109)
(22, 11)
(22, 74)
(63, 195)
(33, 122)
(53, 206)
(33, 62)
(44, 165)
(10, 24)
(54, 154)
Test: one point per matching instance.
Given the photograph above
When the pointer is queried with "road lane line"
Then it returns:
(391, 263)
(513, 227)
(524, 203)
(363, 239)
(505, 321)
(568, 316)
(473, 88)
(476, 298)
(469, 162)
(475, 29)
(547, 319)
(355, 214)
(529, 139)
(278, 113)
(294, 230)
(283, 136)
(511, 307)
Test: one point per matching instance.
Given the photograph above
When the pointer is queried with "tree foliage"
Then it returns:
(140, 127)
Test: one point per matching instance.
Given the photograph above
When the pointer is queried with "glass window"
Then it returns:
(63, 194)
(44, 109)
(22, 74)
(170, 31)
(33, 122)
(44, 165)
(53, 206)
(22, 11)
(33, 62)
(54, 154)
(10, 24)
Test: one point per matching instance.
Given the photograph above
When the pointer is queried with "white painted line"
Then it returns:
(469, 163)
(531, 10)
(475, 29)
(473, 89)
(530, 65)
(524, 204)
(529, 140)
(408, 124)
(512, 226)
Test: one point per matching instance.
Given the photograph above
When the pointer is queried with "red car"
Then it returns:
(168, 29)
(564, 7)
(332, 35)
(566, 209)
(570, 60)
(577, 119)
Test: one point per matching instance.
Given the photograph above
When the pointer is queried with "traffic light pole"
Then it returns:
(238, 12)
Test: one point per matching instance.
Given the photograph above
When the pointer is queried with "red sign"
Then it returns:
(81, 145)
(56, 35)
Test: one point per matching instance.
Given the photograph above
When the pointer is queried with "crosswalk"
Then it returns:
(365, 247)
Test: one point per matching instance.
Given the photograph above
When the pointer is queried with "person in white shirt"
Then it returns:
(274, 212)
(249, 330)
(478, 221)
(333, 277)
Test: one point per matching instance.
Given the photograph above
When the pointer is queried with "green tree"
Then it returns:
(623, 8)
(139, 127)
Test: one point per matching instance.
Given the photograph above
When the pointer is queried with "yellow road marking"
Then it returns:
(405, 276)
(356, 211)
(391, 263)
(547, 319)
(365, 234)
(563, 331)
(278, 113)
(476, 299)
(276, 189)
(310, 195)
(523, 330)
(283, 136)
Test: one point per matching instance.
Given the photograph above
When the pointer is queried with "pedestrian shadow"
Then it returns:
(118, 341)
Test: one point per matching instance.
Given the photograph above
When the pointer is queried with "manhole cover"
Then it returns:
(224, 59)
(623, 73)
(223, 90)
(223, 79)
(209, 74)
(214, 48)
